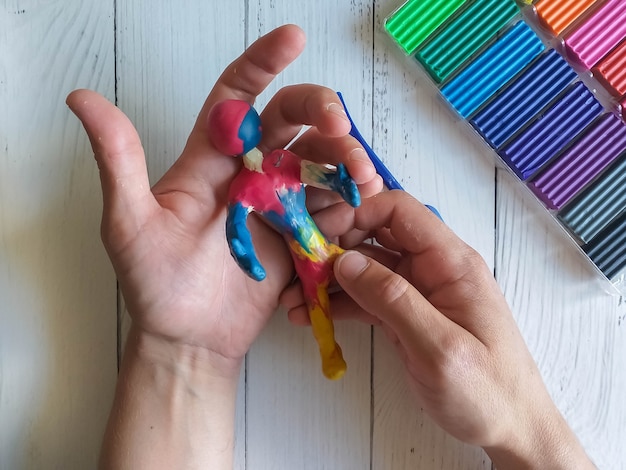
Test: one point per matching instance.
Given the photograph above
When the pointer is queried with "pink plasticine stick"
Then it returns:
(597, 36)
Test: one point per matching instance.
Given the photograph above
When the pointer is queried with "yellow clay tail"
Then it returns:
(333, 364)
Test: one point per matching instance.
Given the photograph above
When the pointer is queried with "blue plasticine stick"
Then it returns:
(388, 179)
(381, 169)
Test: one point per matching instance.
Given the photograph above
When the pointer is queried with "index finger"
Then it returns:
(447, 271)
(243, 79)
(254, 70)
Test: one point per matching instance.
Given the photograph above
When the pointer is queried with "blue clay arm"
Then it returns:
(240, 241)
(338, 180)
(343, 184)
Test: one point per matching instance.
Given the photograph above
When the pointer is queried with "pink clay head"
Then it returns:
(234, 127)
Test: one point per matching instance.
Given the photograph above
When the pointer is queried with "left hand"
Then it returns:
(168, 245)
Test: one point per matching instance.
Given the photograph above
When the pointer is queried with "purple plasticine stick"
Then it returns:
(552, 131)
(597, 36)
(582, 162)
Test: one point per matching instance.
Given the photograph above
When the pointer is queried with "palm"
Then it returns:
(168, 244)
(181, 250)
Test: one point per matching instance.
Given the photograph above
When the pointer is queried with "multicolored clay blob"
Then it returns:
(273, 186)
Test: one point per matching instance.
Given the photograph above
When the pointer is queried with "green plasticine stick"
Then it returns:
(449, 49)
(416, 20)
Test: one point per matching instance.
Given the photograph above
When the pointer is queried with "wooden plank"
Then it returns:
(440, 163)
(57, 290)
(574, 328)
(404, 435)
(169, 56)
(296, 417)
(57, 341)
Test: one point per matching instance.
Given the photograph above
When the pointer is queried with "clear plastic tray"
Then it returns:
(535, 84)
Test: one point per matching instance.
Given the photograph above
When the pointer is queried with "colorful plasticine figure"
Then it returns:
(273, 185)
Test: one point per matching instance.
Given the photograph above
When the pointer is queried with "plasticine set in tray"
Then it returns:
(544, 84)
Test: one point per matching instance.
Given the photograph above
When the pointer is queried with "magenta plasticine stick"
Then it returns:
(597, 36)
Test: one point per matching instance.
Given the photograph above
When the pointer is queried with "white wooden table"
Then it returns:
(62, 323)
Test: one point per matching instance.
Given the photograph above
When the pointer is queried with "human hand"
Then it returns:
(167, 244)
(438, 302)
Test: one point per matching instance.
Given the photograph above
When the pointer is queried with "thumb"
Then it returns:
(120, 157)
(391, 298)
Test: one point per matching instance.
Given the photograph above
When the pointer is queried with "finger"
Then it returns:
(342, 308)
(335, 225)
(385, 238)
(444, 257)
(388, 258)
(299, 316)
(372, 187)
(318, 199)
(315, 146)
(127, 198)
(292, 298)
(254, 70)
(246, 77)
(354, 239)
(391, 298)
(449, 273)
(297, 105)
(292, 295)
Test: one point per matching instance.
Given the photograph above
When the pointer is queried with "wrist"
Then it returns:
(185, 360)
(546, 441)
(174, 407)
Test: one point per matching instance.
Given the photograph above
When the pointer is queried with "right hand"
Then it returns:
(440, 305)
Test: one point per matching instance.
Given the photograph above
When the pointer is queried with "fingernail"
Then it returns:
(358, 155)
(337, 109)
(366, 171)
(351, 264)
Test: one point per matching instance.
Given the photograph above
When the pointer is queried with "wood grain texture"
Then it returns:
(440, 164)
(295, 417)
(57, 290)
(169, 55)
(58, 293)
(573, 326)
